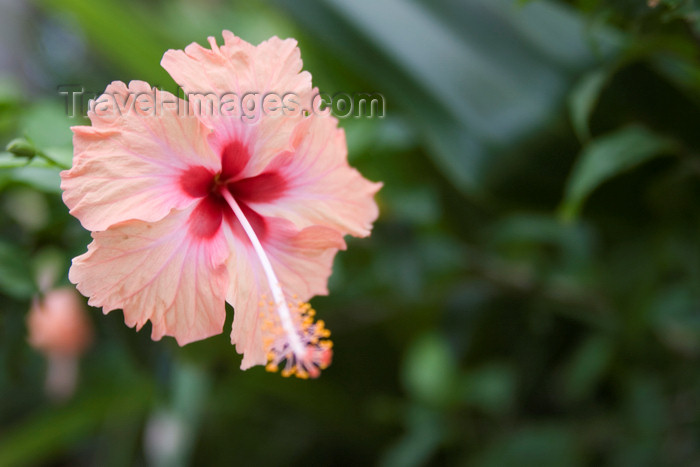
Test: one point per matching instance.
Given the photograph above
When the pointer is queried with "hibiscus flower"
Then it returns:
(191, 208)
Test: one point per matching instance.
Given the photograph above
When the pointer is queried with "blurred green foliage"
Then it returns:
(530, 294)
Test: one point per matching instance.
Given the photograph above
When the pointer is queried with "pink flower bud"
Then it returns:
(58, 326)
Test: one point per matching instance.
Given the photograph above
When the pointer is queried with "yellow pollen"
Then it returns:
(304, 363)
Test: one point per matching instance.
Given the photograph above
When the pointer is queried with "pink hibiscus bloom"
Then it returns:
(191, 209)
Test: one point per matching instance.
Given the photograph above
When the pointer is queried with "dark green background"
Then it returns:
(530, 295)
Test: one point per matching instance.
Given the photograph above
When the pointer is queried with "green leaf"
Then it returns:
(425, 431)
(15, 275)
(38, 173)
(122, 33)
(450, 67)
(430, 370)
(10, 92)
(587, 367)
(46, 124)
(60, 155)
(541, 446)
(52, 430)
(41, 176)
(607, 157)
(583, 99)
(520, 234)
(675, 318)
(490, 388)
(9, 161)
(683, 70)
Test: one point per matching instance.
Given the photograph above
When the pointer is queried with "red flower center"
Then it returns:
(200, 182)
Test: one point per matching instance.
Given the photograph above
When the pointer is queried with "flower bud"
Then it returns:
(20, 147)
(58, 325)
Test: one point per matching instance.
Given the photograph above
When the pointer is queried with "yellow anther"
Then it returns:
(283, 347)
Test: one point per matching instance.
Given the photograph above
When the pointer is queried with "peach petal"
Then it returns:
(128, 164)
(237, 67)
(321, 188)
(302, 260)
(157, 272)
